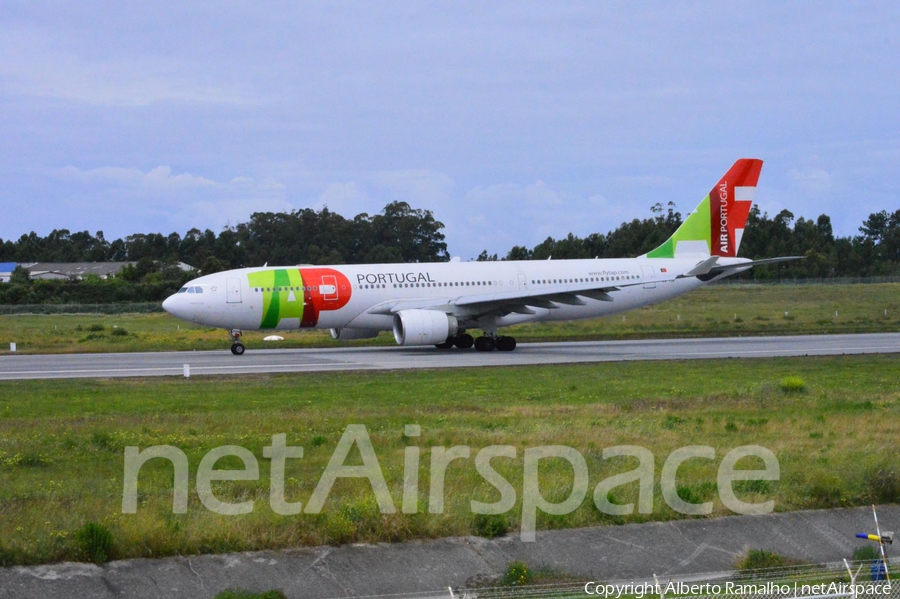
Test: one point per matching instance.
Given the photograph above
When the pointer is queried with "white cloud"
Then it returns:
(33, 64)
(162, 176)
(494, 194)
(644, 181)
(110, 194)
(159, 177)
(598, 200)
(347, 199)
(477, 221)
(539, 194)
(270, 184)
(815, 180)
(421, 187)
(216, 214)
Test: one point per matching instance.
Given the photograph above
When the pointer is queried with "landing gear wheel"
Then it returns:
(237, 348)
(485, 343)
(506, 343)
(464, 341)
(448, 344)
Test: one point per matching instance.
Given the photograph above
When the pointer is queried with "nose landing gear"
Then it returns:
(237, 348)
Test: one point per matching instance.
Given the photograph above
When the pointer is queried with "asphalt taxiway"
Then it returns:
(25, 366)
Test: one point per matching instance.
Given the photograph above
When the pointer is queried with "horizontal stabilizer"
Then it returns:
(703, 268)
(710, 267)
(729, 267)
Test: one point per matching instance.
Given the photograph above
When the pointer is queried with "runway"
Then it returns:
(60, 366)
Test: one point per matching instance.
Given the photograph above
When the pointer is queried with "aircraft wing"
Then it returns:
(510, 302)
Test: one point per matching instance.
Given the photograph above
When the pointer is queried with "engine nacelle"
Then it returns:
(423, 327)
(346, 334)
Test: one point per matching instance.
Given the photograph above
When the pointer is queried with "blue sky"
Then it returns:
(510, 121)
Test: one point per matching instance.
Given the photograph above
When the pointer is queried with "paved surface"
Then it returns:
(632, 552)
(387, 358)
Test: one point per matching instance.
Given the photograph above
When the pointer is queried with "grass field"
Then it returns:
(722, 310)
(833, 424)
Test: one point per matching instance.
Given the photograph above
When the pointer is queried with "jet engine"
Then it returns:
(346, 334)
(423, 327)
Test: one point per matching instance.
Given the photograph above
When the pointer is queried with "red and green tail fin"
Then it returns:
(715, 228)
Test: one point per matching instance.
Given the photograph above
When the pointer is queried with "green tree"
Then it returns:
(20, 276)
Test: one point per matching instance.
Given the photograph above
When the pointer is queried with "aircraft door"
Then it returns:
(649, 276)
(329, 288)
(233, 291)
(523, 282)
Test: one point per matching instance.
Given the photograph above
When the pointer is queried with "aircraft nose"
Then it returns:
(169, 305)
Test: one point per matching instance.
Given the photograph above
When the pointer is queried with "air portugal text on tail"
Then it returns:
(441, 304)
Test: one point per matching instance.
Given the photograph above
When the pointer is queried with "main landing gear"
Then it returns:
(462, 341)
(237, 348)
(483, 343)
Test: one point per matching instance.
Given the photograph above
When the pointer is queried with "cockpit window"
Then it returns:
(198, 289)
(183, 290)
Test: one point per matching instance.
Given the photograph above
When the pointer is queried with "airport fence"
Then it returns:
(120, 308)
(820, 281)
(820, 581)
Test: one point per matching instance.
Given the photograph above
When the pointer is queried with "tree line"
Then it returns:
(401, 233)
(874, 252)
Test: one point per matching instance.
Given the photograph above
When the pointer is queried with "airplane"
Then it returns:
(440, 303)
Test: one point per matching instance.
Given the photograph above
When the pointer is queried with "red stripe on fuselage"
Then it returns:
(316, 300)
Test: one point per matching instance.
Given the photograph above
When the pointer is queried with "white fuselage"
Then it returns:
(352, 296)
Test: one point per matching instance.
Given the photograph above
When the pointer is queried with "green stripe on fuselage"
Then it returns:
(282, 292)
